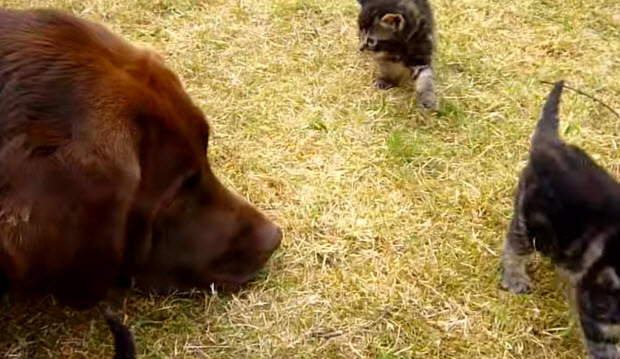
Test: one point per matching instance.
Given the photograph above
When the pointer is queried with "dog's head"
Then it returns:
(186, 229)
(104, 170)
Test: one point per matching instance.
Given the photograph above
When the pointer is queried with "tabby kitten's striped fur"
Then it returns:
(400, 35)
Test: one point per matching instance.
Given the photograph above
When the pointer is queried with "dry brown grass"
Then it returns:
(394, 222)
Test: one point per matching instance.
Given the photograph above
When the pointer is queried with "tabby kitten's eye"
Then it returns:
(372, 42)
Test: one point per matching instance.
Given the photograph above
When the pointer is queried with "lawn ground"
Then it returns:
(393, 221)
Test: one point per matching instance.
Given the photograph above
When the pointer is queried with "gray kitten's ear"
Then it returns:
(395, 22)
(608, 278)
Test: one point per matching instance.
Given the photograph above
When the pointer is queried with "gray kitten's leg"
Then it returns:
(517, 250)
(597, 350)
(599, 343)
(425, 87)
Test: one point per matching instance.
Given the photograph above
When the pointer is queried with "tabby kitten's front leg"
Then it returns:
(425, 87)
(391, 72)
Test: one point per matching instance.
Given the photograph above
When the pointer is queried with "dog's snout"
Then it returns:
(271, 237)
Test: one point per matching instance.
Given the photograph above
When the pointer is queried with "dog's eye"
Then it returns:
(191, 181)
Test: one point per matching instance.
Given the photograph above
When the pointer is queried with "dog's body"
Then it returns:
(568, 208)
(401, 36)
(104, 173)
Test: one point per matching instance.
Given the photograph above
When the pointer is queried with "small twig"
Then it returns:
(586, 95)
(327, 335)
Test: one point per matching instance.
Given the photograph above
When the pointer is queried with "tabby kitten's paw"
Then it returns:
(381, 84)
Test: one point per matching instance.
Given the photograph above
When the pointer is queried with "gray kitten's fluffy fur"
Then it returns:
(568, 208)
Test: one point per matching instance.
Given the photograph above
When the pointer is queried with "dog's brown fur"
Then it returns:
(103, 170)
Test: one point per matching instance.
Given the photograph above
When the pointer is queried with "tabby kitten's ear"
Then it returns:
(396, 22)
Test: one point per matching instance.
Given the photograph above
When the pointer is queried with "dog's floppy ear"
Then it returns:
(142, 214)
(160, 167)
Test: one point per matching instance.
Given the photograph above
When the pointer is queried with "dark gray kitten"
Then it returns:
(568, 208)
(400, 34)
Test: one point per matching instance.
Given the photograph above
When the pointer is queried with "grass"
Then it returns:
(394, 221)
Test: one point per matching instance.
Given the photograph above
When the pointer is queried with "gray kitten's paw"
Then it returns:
(515, 282)
(601, 350)
(425, 87)
(613, 356)
(382, 84)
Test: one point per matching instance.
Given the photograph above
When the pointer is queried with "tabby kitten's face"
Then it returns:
(399, 35)
(384, 29)
(381, 34)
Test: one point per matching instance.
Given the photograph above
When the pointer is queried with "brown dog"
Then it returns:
(103, 170)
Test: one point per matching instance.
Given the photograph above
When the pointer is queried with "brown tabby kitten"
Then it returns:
(400, 35)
